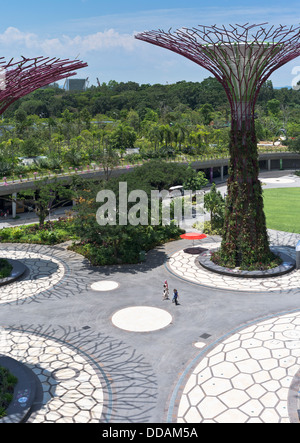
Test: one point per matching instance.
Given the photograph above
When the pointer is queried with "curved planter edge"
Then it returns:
(18, 270)
(25, 391)
(288, 265)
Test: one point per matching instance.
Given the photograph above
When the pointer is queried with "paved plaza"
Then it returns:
(107, 348)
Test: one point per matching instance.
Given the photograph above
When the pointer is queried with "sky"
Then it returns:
(101, 33)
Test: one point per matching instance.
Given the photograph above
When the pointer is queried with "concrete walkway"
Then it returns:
(107, 348)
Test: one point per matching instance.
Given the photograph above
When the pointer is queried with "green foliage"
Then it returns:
(49, 234)
(158, 174)
(31, 147)
(5, 268)
(106, 245)
(163, 121)
(206, 112)
(210, 230)
(194, 181)
(45, 195)
(294, 144)
(273, 106)
(214, 202)
(245, 240)
(282, 209)
(123, 137)
(109, 160)
(20, 115)
(5, 168)
(123, 245)
(272, 262)
(7, 384)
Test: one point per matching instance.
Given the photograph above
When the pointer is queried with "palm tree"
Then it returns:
(179, 134)
(154, 134)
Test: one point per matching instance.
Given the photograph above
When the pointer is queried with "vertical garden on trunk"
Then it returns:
(245, 241)
(242, 58)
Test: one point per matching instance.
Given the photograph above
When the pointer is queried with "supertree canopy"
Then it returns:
(18, 79)
(242, 58)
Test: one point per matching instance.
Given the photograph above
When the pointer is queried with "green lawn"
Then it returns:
(282, 209)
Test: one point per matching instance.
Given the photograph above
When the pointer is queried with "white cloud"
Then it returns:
(112, 52)
(94, 42)
(13, 36)
(66, 45)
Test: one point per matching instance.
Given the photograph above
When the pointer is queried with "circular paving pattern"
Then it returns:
(44, 273)
(72, 391)
(86, 376)
(247, 377)
(186, 266)
(103, 286)
(52, 273)
(141, 319)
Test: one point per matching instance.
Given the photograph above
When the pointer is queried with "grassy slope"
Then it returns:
(282, 209)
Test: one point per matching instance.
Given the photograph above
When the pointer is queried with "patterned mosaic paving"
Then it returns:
(186, 266)
(49, 273)
(86, 377)
(44, 273)
(247, 377)
(72, 391)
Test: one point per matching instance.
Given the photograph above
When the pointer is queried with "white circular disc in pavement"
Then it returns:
(104, 286)
(141, 319)
(199, 345)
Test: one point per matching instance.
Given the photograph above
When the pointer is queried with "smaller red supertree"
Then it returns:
(18, 79)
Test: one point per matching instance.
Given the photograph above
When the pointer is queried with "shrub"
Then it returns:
(7, 384)
(49, 234)
(5, 268)
(126, 248)
(212, 230)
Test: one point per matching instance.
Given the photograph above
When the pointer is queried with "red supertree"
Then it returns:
(241, 58)
(18, 79)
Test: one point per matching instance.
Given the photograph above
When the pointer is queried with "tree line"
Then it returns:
(75, 128)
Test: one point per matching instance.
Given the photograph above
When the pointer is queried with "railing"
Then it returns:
(94, 168)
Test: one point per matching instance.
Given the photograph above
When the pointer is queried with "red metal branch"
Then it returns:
(25, 76)
(241, 57)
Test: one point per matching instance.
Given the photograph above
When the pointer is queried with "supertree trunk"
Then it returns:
(245, 241)
(242, 58)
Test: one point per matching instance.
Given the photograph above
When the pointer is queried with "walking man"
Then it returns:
(175, 297)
